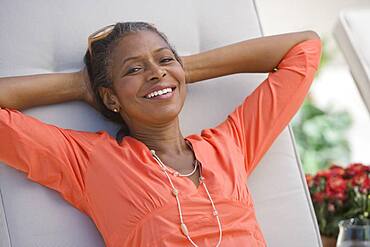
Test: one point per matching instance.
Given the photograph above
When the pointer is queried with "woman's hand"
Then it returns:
(87, 93)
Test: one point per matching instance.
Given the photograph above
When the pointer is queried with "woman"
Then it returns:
(151, 186)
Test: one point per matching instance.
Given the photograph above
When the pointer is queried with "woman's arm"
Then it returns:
(258, 55)
(256, 123)
(22, 92)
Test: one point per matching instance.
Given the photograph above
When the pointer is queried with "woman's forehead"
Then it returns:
(136, 43)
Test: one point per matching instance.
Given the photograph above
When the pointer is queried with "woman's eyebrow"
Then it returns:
(128, 59)
(136, 57)
(162, 48)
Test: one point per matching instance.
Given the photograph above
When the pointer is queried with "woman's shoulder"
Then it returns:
(211, 135)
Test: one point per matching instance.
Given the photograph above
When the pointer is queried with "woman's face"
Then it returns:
(142, 64)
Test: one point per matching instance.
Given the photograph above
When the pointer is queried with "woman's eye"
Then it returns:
(133, 70)
(166, 60)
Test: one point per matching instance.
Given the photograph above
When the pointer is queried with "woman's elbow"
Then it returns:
(312, 34)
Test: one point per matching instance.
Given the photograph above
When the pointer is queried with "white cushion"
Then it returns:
(47, 36)
(353, 37)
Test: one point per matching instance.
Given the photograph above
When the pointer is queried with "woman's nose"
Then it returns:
(156, 73)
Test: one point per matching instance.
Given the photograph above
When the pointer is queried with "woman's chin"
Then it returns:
(163, 115)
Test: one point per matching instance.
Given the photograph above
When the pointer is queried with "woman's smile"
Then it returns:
(161, 92)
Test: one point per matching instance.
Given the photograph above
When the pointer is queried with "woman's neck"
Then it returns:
(165, 139)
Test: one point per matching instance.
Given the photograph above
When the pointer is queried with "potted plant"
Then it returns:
(321, 136)
(339, 193)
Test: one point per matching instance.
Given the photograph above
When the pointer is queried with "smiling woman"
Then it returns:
(116, 75)
(153, 186)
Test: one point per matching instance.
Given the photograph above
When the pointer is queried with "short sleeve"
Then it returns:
(256, 123)
(49, 155)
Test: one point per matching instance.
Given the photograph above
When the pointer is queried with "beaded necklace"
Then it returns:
(175, 193)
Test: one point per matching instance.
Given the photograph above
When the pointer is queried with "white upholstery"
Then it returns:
(47, 36)
(353, 37)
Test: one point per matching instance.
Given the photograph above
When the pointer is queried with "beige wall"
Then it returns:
(292, 15)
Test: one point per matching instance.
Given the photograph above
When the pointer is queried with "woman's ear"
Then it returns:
(109, 98)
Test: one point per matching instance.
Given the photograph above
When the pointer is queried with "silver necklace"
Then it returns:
(175, 193)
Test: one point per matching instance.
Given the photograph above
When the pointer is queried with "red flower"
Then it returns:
(317, 180)
(336, 196)
(319, 197)
(336, 191)
(356, 168)
(336, 184)
(336, 170)
(323, 173)
(365, 186)
(359, 179)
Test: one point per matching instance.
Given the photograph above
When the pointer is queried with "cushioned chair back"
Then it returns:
(354, 40)
(49, 36)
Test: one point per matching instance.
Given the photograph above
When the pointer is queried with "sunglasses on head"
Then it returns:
(98, 35)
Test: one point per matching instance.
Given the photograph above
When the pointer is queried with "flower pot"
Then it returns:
(328, 241)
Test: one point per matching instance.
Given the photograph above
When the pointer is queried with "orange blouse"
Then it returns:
(121, 187)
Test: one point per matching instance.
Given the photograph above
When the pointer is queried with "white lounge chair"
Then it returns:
(352, 35)
(47, 36)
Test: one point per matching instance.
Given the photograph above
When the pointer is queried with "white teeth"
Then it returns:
(159, 92)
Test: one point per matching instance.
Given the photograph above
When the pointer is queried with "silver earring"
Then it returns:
(115, 110)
